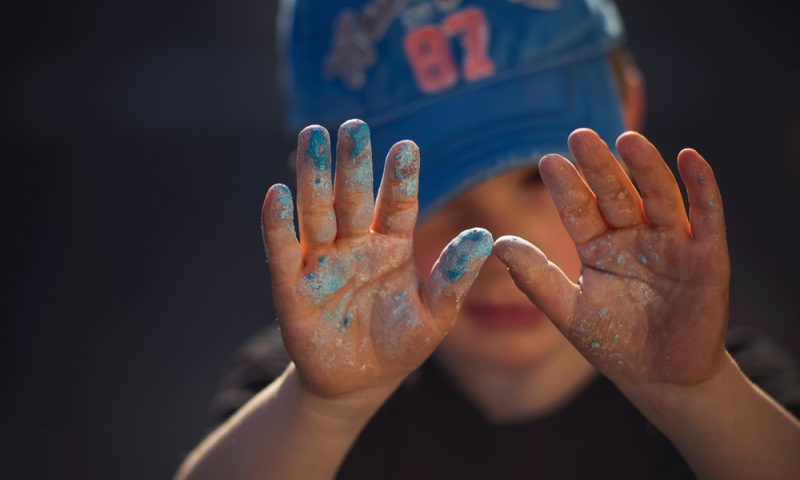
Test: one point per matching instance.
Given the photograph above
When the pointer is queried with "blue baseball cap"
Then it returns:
(482, 86)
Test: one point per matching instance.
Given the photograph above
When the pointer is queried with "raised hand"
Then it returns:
(651, 306)
(353, 310)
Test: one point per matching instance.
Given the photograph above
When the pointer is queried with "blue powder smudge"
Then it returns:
(285, 199)
(702, 181)
(620, 362)
(404, 159)
(642, 259)
(622, 256)
(310, 276)
(655, 255)
(455, 273)
(603, 313)
(398, 297)
(620, 326)
(616, 337)
(359, 133)
(466, 249)
(363, 174)
(319, 149)
(595, 345)
(317, 180)
(347, 322)
(321, 260)
(710, 204)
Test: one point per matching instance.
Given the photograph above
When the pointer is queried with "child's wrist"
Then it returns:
(670, 402)
(353, 408)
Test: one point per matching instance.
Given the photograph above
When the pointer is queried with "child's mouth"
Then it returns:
(502, 316)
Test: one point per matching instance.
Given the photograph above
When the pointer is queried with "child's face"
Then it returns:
(497, 323)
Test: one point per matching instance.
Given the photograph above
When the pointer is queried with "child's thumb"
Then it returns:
(542, 281)
(453, 274)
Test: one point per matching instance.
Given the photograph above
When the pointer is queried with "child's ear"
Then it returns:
(635, 105)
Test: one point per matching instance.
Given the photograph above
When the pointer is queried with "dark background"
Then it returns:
(140, 138)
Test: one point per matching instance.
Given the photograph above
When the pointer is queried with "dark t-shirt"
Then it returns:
(429, 430)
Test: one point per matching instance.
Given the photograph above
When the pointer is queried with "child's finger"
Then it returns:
(396, 206)
(280, 240)
(663, 204)
(707, 220)
(574, 200)
(314, 192)
(354, 202)
(453, 274)
(542, 281)
(616, 196)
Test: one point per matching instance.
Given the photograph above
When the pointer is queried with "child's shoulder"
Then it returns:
(263, 358)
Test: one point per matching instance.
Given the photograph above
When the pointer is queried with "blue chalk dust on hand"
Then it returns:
(403, 161)
(319, 149)
(286, 208)
(642, 259)
(469, 247)
(359, 133)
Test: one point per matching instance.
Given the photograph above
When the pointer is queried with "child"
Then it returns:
(633, 289)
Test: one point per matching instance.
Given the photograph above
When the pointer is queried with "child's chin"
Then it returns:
(511, 348)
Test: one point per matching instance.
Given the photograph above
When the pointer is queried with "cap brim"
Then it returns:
(490, 130)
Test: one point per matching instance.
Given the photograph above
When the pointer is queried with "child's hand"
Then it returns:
(651, 306)
(353, 311)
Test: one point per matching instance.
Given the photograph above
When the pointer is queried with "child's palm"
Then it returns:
(353, 311)
(651, 304)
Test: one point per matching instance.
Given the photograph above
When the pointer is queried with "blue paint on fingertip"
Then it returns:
(319, 149)
(470, 246)
(360, 136)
